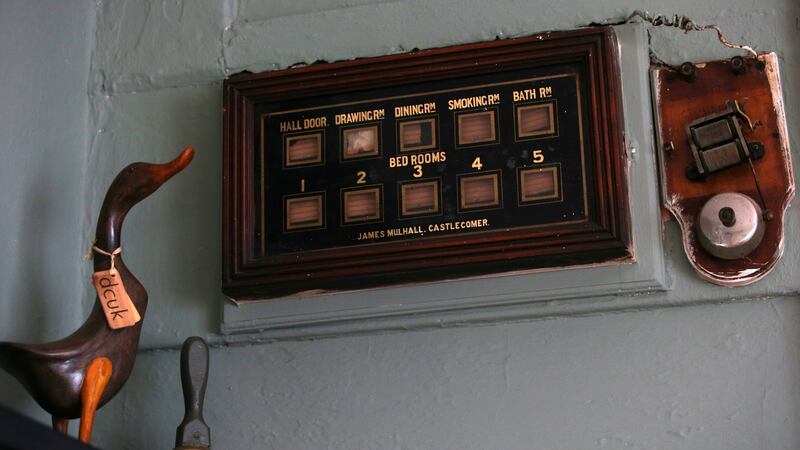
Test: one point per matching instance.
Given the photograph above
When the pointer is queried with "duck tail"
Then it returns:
(8, 350)
(4, 355)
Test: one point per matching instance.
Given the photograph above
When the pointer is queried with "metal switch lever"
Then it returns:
(718, 143)
(193, 433)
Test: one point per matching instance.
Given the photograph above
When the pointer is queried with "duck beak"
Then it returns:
(163, 172)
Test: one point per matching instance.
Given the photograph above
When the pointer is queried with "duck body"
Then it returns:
(54, 372)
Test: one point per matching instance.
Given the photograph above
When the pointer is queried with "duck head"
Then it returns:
(132, 185)
(137, 181)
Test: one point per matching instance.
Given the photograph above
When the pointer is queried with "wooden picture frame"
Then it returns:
(537, 184)
(420, 198)
(360, 142)
(260, 263)
(304, 211)
(362, 205)
(417, 135)
(303, 150)
(536, 120)
(476, 127)
(479, 191)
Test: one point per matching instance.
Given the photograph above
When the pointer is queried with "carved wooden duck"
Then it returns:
(95, 361)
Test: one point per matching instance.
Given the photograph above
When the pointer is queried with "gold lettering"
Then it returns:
(375, 234)
(414, 110)
(315, 122)
(533, 94)
(458, 225)
(359, 116)
(417, 159)
(473, 102)
(525, 94)
(292, 125)
(418, 230)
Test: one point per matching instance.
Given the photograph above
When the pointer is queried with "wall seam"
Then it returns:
(89, 168)
(329, 331)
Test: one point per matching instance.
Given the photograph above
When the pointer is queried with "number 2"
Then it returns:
(362, 177)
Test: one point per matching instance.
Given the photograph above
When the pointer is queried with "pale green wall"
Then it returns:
(719, 375)
(44, 69)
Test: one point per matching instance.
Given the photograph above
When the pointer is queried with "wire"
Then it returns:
(686, 24)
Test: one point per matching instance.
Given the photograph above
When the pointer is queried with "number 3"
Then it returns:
(417, 171)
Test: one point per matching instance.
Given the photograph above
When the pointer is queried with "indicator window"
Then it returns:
(538, 184)
(302, 150)
(479, 191)
(419, 198)
(477, 127)
(535, 120)
(361, 142)
(417, 135)
(304, 212)
(361, 205)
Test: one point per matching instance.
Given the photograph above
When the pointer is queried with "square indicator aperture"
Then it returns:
(417, 135)
(479, 191)
(302, 150)
(536, 120)
(361, 142)
(419, 198)
(476, 128)
(361, 205)
(305, 211)
(538, 184)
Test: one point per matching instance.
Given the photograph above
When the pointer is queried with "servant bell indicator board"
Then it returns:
(439, 164)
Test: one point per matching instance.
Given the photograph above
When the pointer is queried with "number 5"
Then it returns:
(538, 157)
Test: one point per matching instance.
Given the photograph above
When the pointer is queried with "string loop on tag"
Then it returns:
(89, 254)
(111, 255)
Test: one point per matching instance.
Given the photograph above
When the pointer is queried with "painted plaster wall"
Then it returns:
(719, 375)
(155, 87)
(44, 69)
(705, 377)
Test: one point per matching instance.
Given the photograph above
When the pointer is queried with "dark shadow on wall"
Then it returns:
(28, 301)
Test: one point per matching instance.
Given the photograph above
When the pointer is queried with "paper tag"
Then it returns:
(117, 305)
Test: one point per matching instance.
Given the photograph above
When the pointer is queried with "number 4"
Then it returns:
(477, 164)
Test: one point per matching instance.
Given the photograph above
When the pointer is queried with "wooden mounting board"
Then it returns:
(678, 102)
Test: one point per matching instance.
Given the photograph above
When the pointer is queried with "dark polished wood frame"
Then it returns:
(605, 236)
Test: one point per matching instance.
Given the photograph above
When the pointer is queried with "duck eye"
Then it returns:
(131, 169)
